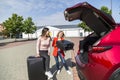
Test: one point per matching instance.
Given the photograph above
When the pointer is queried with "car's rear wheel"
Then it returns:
(81, 76)
(80, 73)
(115, 75)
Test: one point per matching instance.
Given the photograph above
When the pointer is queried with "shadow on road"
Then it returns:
(54, 69)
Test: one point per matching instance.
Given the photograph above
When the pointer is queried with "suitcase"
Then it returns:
(65, 45)
(36, 68)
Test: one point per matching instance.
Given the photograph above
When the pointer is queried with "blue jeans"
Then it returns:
(62, 60)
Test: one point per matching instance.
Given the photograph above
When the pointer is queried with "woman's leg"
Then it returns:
(47, 63)
(47, 59)
(63, 61)
(57, 62)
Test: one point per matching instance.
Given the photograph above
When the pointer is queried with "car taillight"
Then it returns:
(99, 48)
(78, 52)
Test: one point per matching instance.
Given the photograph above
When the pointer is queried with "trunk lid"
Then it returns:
(97, 20)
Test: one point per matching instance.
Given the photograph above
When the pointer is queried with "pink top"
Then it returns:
(43, 44)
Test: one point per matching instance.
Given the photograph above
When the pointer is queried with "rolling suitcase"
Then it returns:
(65, 45)
(36, 68)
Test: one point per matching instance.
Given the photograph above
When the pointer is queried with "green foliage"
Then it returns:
(29, 26)
(106, 10)
(84, 26)
(5, 33)
(15, 25)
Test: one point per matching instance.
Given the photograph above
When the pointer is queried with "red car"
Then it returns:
(98, 56)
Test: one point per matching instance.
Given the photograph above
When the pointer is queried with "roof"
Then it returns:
(61, 26)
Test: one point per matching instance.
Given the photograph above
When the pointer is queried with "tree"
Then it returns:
(5, 33)
(85, 27)
(106, 10)
(14, 25)
(29, 26)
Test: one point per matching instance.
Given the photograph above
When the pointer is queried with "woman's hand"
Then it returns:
(55, 45)
(49, 53)
(37, 55)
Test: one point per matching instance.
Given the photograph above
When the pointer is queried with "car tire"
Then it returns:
(115, 75)
(80, 75)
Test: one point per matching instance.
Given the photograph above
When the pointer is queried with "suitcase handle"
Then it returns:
(30, 57)
(33, 57)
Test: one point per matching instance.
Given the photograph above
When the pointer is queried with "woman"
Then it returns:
(43, 49)
(59, 53)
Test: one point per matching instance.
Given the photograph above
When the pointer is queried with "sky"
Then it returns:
(50, 12)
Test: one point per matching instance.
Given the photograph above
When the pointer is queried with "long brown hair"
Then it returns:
(59, 33)
(44, 31)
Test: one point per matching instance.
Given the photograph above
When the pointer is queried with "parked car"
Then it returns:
(98, 57)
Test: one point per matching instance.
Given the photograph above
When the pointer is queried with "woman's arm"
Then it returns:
(54, 43)
(38, 46)
(49, 47)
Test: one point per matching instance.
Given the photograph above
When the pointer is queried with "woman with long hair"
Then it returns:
(43, 49)
(57, 52)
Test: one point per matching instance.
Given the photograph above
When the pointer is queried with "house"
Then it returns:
(69, 30)
(1, 28)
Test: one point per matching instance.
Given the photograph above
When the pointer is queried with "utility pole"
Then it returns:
(111, 6)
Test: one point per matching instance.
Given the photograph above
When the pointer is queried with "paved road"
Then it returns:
(13, 62)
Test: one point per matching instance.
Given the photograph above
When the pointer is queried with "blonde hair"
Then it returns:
(59, 33)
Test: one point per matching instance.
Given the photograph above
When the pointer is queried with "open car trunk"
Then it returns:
(97, 20)
(100, 22)
(85, 44)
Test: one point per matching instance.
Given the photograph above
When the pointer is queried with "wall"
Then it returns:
(69, 32)
(1, 28)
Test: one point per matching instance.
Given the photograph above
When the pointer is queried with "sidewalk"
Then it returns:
(11, 40)
(6, 43)
(76, 45)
